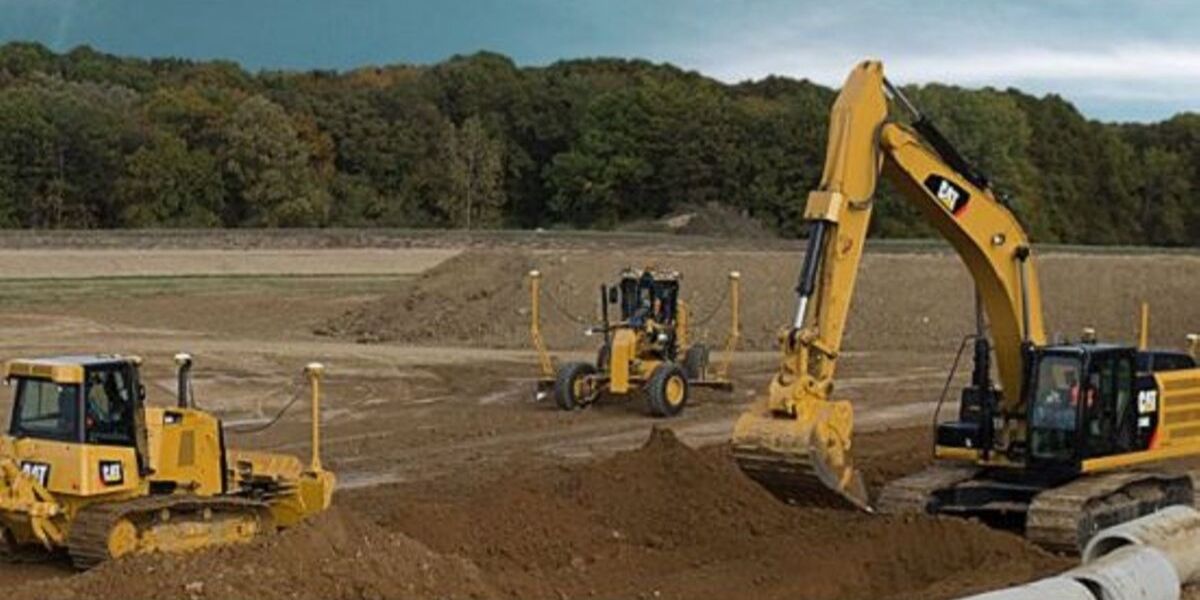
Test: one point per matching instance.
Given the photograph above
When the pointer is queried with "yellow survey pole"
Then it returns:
(535, 325)
(314, 370)
(735, 322)
(1144, 328)
(682, 323)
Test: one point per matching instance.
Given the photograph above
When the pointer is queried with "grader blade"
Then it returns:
(800, 461)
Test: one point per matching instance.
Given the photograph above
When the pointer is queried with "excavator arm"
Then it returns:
(797, 440)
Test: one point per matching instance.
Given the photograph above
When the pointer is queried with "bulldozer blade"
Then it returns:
(795, 462)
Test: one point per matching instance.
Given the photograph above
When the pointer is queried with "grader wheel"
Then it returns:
(572, 389)
(667, 390)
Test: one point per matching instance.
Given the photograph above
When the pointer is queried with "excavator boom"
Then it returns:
(797, 439)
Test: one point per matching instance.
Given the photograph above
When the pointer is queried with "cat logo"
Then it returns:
(951, 196)
(111, 472)
(1147, 401)
(40, 472)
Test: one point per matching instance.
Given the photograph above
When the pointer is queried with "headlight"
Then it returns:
(662, 338)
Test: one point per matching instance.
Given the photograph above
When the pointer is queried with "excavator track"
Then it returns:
(108, 530)
(914, 494)
(1064, 518)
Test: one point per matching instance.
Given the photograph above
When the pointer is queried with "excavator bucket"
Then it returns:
(801, 460)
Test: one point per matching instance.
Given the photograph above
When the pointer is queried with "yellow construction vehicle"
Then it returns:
(88, 467)
(641, 350)
(1072, 437)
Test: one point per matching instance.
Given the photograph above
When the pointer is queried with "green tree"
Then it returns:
(1166, 198)
(167, 185)
(267, 171)
(474, 165)
(60, 143)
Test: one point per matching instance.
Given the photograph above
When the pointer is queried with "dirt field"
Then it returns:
(913, 301)
(455, 484)
(78, 264)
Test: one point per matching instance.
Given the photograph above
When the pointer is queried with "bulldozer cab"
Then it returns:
(649, 296)
(77, 422)
(90, 400)
(1082, 405)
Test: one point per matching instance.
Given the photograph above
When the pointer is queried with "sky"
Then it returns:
(1117, 60)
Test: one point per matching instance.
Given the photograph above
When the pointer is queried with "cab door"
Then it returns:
(111, 423)
(1110, 414)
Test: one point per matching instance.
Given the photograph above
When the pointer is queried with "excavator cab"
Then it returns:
(1081, 404)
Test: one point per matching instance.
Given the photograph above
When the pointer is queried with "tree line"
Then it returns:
(91, 140)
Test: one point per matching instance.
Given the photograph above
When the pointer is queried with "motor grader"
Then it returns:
(89, 468)
(646, 350)
(1058, 439)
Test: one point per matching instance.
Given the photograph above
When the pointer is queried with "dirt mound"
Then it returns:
(903, 302)
(469, 297)
(661, 521)
(336, 556)
(672, 522)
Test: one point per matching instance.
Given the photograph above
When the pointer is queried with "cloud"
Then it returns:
(1112, 53)
(1140, 63)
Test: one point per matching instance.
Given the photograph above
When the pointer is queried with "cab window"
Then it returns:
(46, 410)
(1055, 408)
(108, 407)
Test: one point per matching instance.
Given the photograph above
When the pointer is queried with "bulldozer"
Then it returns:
(1055, 439)
(89, 468)
(647, 349)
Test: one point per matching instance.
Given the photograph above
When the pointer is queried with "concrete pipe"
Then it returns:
(1174, 531)
(1058, 588)
(1130, 573)
(1149, 558)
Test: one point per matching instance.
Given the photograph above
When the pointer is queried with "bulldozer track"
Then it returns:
(88, 540)
(913, 494)
(1064, 518)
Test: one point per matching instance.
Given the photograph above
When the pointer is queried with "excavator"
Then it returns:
(1057, 439)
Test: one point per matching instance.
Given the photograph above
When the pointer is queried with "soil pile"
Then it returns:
(918, 301)
(336, 556)
(473, 296)
(667, 521)
(662, 521)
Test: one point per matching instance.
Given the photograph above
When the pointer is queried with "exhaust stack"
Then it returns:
(183, 362)
(314, 370)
